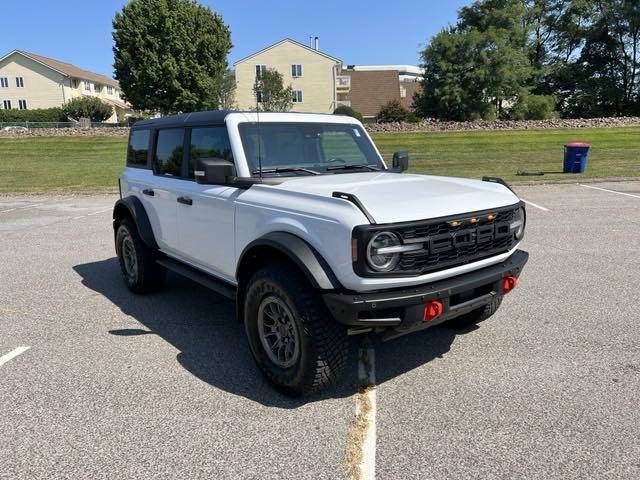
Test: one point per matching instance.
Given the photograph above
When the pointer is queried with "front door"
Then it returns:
(206, 213)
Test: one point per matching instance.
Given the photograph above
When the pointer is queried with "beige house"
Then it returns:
(313, 75)
(29, 81)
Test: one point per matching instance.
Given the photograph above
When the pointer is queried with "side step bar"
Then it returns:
(219, 286)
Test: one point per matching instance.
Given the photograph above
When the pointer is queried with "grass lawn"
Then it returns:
(615, 152)
(72, 164)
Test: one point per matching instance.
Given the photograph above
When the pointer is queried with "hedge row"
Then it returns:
(36, 115)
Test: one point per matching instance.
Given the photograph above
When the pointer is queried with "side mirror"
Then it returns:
(214, 171)
(401, 161)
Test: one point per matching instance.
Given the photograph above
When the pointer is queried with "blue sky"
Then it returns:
(356, 31)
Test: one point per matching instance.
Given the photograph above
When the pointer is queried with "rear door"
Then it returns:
(206, 223)
(161, 195)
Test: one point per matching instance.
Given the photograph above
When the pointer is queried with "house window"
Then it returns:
(7, 104)
(19, 82)
(296, 70)
(87, 85)
(22, 104)
(297, 96)
(97, 88)
(403, 92)
(4, 82)
(260, 69)
(109, 90)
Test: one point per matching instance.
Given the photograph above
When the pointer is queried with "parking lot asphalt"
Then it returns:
(116, 385)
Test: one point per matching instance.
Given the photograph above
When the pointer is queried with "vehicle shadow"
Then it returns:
(212, 345)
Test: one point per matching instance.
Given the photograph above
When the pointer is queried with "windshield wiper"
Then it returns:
(353, 167)
(285, 170)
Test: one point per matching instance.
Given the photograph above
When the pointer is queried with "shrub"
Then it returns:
(534, 107)
(131, 119)
(87, 107)
(413, 118)
(393, 111)
(346, 110)
(36, 115)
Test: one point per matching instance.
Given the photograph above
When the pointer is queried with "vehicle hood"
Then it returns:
(393, 197)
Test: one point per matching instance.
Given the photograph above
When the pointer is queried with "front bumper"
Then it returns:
(401, 310)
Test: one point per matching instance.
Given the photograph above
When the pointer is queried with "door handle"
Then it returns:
(148, 191)
(185, 200)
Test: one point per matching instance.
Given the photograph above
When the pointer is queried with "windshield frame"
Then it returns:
(370, 151)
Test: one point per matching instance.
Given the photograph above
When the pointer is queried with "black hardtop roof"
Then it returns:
(196, 118)
(214, 116)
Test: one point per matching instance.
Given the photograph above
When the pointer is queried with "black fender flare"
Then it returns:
(304, 256)
(137, 212)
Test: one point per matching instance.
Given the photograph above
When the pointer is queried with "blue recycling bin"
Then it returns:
(575, 157)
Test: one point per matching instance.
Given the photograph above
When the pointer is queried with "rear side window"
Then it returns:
(209, 142)
(138, 148)
(168, 153)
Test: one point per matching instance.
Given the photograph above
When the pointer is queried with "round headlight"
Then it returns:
(517, 224)
(380, 254)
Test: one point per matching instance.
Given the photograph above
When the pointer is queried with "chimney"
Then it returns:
(316, 41)
(310, 41)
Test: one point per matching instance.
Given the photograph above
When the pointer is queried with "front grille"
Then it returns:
(446, 246)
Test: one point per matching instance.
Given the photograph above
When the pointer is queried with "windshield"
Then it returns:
(308, 148)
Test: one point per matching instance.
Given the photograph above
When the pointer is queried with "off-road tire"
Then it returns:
(476, 316)
(148, 276)
(323, 342)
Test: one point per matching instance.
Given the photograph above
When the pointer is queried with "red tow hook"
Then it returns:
(509, 283)
(432, 310)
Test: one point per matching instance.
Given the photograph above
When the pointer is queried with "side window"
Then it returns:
(167, 159)
(138, 148)
(209, 142)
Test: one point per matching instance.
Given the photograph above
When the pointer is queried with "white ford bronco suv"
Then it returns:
(297, 218)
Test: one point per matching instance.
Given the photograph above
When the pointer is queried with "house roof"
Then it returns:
(67, 69)
(291, 41)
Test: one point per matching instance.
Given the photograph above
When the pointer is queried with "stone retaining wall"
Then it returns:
(437, 126)
(67, 132)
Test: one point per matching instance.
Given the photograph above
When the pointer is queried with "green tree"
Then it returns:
(170, 55)
(609, 64)
(227, 92)
(474, 68)
(87, 107)
(271, 94)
